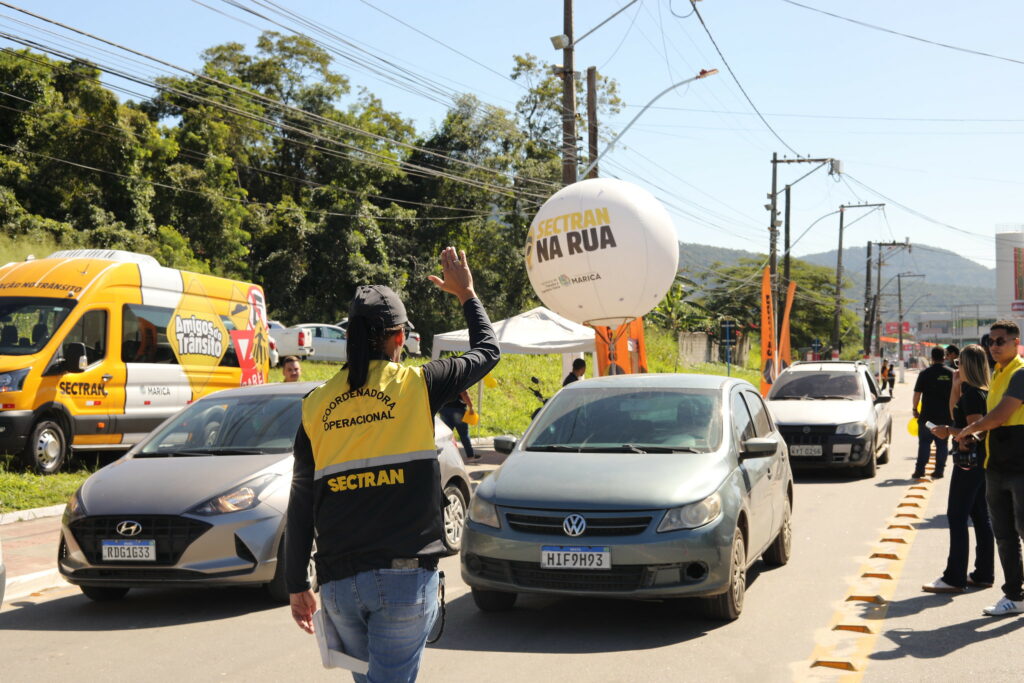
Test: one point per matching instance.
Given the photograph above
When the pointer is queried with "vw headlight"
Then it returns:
(75, 508)
(852, 428)
(13, 380)
(693, 515)
(483, 512)
(243, 497)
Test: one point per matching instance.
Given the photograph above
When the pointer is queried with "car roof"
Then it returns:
(659, 381)
(271, 389)
(826, 366)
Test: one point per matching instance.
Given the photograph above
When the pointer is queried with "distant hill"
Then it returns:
(951, 279)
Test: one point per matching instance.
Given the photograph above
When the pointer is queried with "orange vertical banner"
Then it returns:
(767, 334)
(785, 354)
(621, 351)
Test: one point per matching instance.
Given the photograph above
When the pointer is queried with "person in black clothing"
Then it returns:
(452, 413)
(952, 356)
(932, 390)
(366, 479)
(579, 368)
(967, 485)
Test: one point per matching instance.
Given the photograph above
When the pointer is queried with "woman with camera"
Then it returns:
(967, 485)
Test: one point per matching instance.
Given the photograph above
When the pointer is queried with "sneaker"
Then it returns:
(938, 475)
(978, 584)
(917, 475)
(1004, 607)
(940, 586)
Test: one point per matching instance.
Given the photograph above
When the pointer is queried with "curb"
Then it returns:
(24, 586)
(29, 515)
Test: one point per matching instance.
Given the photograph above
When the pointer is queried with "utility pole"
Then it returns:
(568, 100)
(876, 321)
(835, 168)
(592, 120)
(899, 299)
(837, 313)
(867, 303)
(785, 267)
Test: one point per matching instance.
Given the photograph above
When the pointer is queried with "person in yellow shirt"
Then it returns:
(1004, 464)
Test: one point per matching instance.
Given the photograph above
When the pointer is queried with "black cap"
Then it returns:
(380, 306)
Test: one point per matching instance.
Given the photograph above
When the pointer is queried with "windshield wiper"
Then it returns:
(556, 448)
(646, 448)
(841, 398)
(789, 398)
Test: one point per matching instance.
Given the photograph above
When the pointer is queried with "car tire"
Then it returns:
(883, 459)
(493, 601)
(104, 593)
(729, 605)
(454, 518)
(47, 448)
(870, 468)
(781, 549)
(277, 589)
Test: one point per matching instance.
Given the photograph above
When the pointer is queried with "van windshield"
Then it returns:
(27, 323)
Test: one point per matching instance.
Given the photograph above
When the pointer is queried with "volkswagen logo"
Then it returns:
(574, 525)
(129, 527)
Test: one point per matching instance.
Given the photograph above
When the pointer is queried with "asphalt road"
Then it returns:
(889, 630)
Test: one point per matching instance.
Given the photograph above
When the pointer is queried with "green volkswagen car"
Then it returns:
(634, 486)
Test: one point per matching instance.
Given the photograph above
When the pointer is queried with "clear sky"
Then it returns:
(936, 130)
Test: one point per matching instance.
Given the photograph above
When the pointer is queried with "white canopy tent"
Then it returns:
(536, 331)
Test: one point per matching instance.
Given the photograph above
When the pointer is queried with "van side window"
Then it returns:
(230, 359)
(144, 335)
(91, 330)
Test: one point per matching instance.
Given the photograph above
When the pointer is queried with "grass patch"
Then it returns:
(21, 490)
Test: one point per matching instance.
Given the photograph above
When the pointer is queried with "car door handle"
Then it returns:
(107, 378)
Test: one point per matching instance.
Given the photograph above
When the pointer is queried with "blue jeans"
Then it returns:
(967, 501)
(924, 442)
(1005, 494)
(453, 418)
(383, 616)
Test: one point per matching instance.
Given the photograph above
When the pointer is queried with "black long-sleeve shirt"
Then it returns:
(445, 379)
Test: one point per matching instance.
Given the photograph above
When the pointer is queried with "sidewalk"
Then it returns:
(30, 554)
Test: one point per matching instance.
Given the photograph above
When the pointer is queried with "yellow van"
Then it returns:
(97, 347)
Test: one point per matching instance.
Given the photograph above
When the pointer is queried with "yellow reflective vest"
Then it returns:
(1000, 382)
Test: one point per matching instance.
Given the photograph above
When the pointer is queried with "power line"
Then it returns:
(907, 35)
(737, 80)
(837, 116)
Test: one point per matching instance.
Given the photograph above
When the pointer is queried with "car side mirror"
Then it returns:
(759, 447)
(75, 359)
(504, 444)
(883, 398)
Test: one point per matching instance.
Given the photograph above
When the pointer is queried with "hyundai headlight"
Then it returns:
(484, 512)
(243, 497)
(852, 428)
(693, 515)
(75, 508)
(13, 380)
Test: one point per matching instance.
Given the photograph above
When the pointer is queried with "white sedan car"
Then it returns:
(329, 341)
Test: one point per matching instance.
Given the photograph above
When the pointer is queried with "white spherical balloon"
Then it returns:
(602, 252)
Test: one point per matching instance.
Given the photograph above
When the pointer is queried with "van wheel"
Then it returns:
(47, 448)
